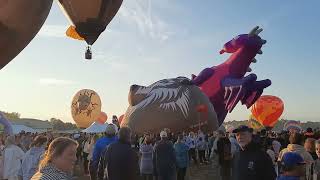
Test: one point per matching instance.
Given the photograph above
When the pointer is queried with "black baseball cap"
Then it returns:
(243, 128)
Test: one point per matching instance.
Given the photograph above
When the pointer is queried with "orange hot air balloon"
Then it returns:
(267, 110)
(121, 118)
(102, 118)
(89, 17)
(20, 21)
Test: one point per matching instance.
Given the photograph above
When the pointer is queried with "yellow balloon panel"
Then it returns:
(85, 107)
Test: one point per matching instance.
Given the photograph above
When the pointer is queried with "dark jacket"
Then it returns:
(224, 151)
(164, 159)
(253, 164)
(121, 162)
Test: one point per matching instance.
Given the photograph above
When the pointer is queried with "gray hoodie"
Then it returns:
(30, 163)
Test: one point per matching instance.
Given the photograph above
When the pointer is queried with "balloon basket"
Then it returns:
(88, 54)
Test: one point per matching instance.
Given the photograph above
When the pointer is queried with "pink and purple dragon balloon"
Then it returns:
(226, 84)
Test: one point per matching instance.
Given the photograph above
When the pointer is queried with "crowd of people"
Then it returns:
(118, 154)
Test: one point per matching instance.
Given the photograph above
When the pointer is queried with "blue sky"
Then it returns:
(149, 40)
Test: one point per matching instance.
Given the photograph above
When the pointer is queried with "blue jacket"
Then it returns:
(182, 156)
(101, 144)
(288, 178)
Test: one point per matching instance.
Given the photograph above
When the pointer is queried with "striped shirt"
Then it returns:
(50, 172)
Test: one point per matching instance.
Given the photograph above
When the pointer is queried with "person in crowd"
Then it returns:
(100, 146)
(32, 158)
(164, 159)
(120, 161)
(86, 151)
(316, 167)
(292, 165)
(296, 145)
(234, 144)
(251, 163)
(310, 147)
(146, 164)
(2, 146)
(210, 145)
(309, 133)
(12, 157)
(201, 146)
(191, 142)
(276, 146)
(224, 151)
(182, 157)
(93, 141)
(58, 161)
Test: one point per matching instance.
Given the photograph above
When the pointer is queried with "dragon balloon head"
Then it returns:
(251, 40)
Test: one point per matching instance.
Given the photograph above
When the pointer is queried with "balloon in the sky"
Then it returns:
(6, 125)
(267, 110)
(20, 21)
(292, 126)
(254, 124)
(89, 18)
(85, 107)
(102, 118)
(169, 103)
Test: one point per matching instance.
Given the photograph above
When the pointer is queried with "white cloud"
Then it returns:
(140, 13)
(56, 31)
(55, 82)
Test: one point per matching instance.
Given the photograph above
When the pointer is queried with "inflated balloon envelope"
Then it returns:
(20, 21)
(89, 18)
(168, 103)
(85, 107)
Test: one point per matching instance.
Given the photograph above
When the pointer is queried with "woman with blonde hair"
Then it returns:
(58, 161)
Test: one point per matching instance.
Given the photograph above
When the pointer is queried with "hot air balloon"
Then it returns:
(85, 108)
(89, 18)
(102, 118)
(254, 124)
(20, 21)
(292, 126)
(174, 103)
(267, 110)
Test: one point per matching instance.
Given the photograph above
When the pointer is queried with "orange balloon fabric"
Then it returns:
(267, 110)
(102, 118)
(72, 33)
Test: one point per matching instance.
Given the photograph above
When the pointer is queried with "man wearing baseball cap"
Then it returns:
(100, 146)
(251, 163)
(164, 158)
(293, 167)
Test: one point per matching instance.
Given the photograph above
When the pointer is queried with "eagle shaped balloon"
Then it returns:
(226, 84)
(168, 103)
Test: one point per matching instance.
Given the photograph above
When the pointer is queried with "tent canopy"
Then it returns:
(17, 128)
(95, 128)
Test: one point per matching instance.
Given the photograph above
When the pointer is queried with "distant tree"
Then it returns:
(12, 115)
(60, 125)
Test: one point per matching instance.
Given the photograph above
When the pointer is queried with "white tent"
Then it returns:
(95, 128)
(17, 128)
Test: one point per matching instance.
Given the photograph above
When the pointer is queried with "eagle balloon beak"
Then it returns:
(134, 98)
